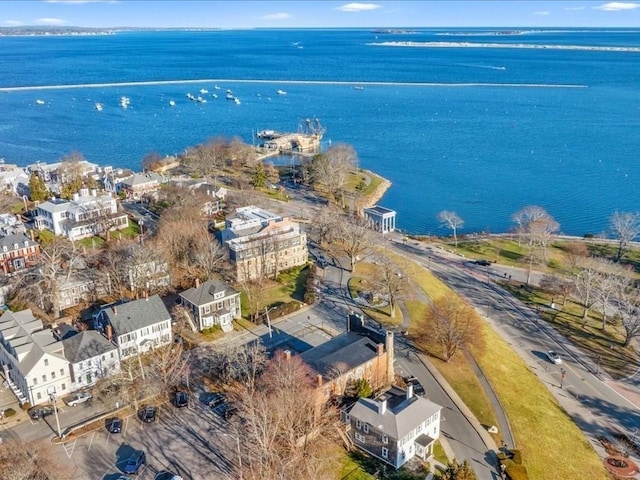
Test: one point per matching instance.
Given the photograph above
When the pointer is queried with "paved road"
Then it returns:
(590, 401)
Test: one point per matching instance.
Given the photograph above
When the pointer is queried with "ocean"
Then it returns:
(482, 131)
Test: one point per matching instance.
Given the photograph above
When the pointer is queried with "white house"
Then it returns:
(381, 219)
(91, 357)
(137, 326)
(88, 214)
(396, 426)
(212, 303)
(32, 360)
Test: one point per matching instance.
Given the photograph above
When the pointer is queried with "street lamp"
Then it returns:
(563, 375)
(24, 199)
(141, 223)
(266, 312)
(52, 397)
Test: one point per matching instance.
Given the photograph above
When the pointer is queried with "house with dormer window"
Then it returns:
(136, 327)
(91, 357)
(396, 426)
(18, 251)
(212, 303)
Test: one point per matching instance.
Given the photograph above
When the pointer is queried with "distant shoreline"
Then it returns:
(590, 48)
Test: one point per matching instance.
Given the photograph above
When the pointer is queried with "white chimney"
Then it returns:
(382, 405)
(409, 391)
(75, 197)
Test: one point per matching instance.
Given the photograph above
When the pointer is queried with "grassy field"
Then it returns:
(552, 445)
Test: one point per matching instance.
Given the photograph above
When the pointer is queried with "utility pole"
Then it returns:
(563, 375)
(53, 398)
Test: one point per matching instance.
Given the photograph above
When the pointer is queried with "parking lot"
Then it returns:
(192, 442)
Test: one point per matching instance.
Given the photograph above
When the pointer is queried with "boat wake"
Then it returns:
(291, 82)
(471, 65)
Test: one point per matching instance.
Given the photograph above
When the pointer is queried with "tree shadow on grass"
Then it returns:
(378, 469)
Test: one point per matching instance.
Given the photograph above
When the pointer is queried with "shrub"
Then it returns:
(516, 456)
(515, 472)
(25, 406)
(9, 412)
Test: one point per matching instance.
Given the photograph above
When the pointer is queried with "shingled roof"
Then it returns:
(131, 316)
(205, 293)
(85, 345)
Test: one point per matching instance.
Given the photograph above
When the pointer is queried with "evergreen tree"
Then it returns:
(458, 471)
(259, 179)
(37, 189)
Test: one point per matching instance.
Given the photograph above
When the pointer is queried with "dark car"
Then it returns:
(135, 462)
(418, 389)
(213, 399)
(483, 262)
(181, 399)
(148, 414)
(225, 410)
(36, 413)
(113, 425)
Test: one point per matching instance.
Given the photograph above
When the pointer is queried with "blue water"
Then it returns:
(483, 151)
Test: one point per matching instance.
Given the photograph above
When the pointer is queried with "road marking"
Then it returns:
(68, 448)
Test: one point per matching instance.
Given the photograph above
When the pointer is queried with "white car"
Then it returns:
(78, 398)
(554, 357)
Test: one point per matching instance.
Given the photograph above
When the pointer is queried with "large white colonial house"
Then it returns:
(396, 426)
(86, 215)
(212, 303)
(32, 359)
(137, 326)
(91, 357)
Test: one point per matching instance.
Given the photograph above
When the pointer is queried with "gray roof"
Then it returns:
(24, 339)
(139, 179)
(204, 294)
(402, 414)
(131, 316)
(85, 345)
(10, 240)
(349, 348)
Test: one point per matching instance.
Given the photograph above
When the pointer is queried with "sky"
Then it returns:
(320, 13)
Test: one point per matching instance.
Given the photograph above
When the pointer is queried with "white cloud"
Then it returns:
(617, 6)
(542, 13)
(276, 16)
(12, 23)
(357, 7)
(50, 21)
(574, 8)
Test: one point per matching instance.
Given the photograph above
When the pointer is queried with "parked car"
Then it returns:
(554, 357)
(212, 399)
(113, 425)
(226, 410)
(482, 262)
(418, 389)
(78, 398)
(148, 414)
(167, 475)
(36, 413)
(135, 462)
(180, 399)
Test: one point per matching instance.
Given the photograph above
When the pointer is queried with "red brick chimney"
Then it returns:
(319, 379)
(287, 354)
(197, 283)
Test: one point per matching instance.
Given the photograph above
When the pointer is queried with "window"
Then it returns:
(35, 381)
(62, 372)
(385, 438)
(39, 396)
(366, 428)
(111, 354)
(63, 387)
(46, 362)
(80, 365)
(44, 378)
(360, 438)
(385, 452)
(358, 423)
(53, 375)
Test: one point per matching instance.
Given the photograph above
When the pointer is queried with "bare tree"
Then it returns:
(34, 460)
(255, 291)
(452, 324)
(538, 228)
(151, 161)
(586, 281)
(557, 286)
(331, 169)
(625, 227)
(286, 431)
(355, 239)
(325, 223)
(391, 283)
(628, 309)
(168, 366)
(609, 277)
(452, 221)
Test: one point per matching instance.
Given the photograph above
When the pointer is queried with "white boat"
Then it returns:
(40, 102)
(230, 96)
(236, 100)
(216, 87)
(172, 103)
(190, 97)
(200, 100)
(229, 91)
(98, 106)
(204, 90)
(124, 102)
(214, 95)
(281, 92)
(358, 87)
